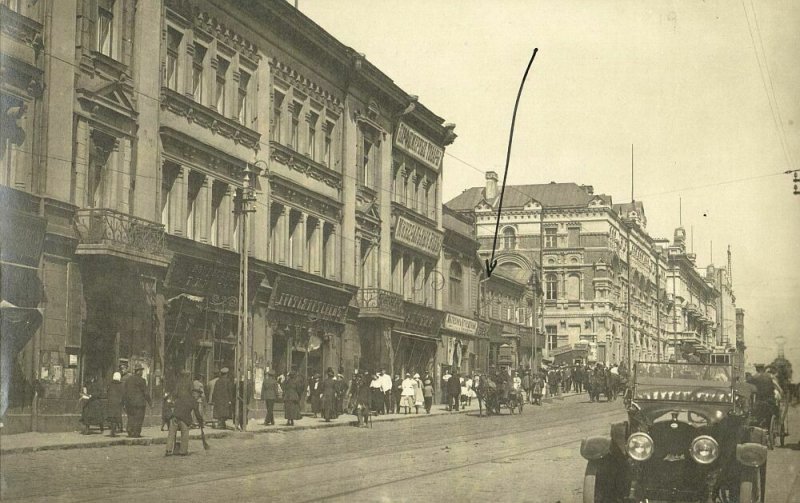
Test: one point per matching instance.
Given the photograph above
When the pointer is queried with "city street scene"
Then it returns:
(306, 250)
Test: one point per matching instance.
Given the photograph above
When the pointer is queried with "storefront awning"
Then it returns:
(427, 338)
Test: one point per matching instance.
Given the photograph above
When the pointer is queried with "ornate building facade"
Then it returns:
(129, 188)
(605, 280)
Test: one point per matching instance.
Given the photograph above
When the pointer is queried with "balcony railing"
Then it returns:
(109, 231)
(374, 302)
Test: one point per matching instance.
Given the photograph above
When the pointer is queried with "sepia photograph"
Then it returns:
(363, 250)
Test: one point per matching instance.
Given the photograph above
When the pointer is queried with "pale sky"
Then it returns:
(679, 80)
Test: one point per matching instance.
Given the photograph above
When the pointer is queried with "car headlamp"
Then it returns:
(640, 446)
(705, 450)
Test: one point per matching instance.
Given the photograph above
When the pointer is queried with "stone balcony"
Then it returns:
(104, 231)
(377, 303)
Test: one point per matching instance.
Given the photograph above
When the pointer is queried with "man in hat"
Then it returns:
(386, 388)
(223, 398)
(135, 397)
(269, 393)
(186, 403)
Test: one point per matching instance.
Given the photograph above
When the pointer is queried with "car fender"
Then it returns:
(595, 447)
(619, 436)
(758, 435)
(751, 454)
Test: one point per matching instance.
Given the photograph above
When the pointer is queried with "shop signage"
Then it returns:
(578, 346)
(202, 277)
(428, 241)
(310, 299)
(418, 147)
(460, 324)
(482, 330)
(423, 319)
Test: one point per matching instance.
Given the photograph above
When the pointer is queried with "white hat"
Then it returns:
(416, 376)
(116, 377)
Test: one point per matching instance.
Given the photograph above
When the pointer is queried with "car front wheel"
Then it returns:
(750, 486)
(598, 482)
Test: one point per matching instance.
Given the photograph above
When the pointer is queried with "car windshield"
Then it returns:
(683, 381)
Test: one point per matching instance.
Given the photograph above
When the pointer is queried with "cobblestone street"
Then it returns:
(455, 457)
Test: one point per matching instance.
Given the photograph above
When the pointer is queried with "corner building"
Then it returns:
(592, 254)
(129, 183)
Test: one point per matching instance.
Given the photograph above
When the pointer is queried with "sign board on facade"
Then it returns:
(423, 319)
(410, 141)
(460, 324)
(203, 277)
(418, 237)
(310, 299)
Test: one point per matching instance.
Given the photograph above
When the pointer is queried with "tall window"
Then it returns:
(198, 73)
(98, 175)
(294, 139)
(192, 211)
(367, 155)
(222, 81)
(552, 337)
(414, 190)
(327, 144)
(509, 238)
(218, 191)
(311, 147)
(243, 107)
(105, 28)
(550, 238)
(173, 47)
(456, 289)
(277, 116)
(551, 287)
(169, 175)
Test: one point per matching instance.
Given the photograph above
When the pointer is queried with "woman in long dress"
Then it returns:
(407, 395)
(291, 398)
(328, 396)
(419, 397)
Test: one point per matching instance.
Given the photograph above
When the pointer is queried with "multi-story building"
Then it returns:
(130, 178)
(605, 280)
(693, 296)
(465, 332)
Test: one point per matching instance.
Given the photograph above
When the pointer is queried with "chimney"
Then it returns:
(589, 189)
(491, 185)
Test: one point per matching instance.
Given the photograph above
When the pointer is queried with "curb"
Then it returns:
(239, 434)
(107, 443)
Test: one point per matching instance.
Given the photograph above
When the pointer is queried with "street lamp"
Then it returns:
(243, 346)
(781, 342)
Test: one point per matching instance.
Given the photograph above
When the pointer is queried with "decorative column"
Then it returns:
(178, 198)
(286, 234)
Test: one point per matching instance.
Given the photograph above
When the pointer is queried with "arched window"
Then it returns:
(551, 287)
(456, 286)
(509, 238)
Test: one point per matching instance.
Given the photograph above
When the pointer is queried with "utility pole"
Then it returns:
(243, 345)
(658, 309)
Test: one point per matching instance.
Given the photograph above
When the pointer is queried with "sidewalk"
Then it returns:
(33, 442)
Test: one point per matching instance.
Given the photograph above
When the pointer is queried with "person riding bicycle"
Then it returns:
(767, 395)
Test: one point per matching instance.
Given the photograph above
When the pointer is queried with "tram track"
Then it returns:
(378, 455)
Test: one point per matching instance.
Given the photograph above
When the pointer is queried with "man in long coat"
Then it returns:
(454, 391)
(269, 393)
(135, 398)
(223, 398)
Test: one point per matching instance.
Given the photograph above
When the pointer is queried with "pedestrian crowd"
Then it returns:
(364, 394)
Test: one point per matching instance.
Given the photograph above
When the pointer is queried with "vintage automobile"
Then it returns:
(687, 438)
